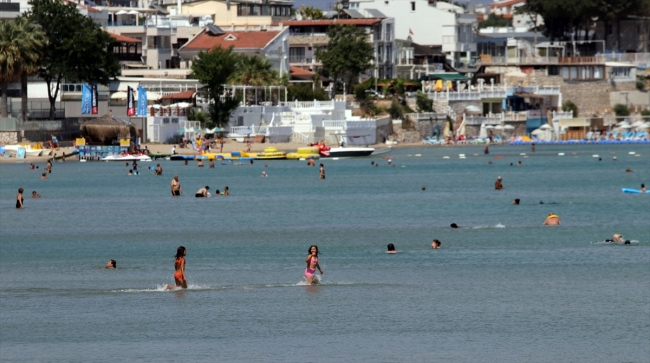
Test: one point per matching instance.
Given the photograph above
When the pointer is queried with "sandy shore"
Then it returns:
(229, 146)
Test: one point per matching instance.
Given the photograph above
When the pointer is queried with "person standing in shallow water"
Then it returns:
(322, 172)
(19, 199)
(179, 266)
(176, 186)
(312, 265)
(498, 185)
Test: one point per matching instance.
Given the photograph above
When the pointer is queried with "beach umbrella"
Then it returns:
(498, 127)
(472, 109)
(122, 12)
(509, 127)
(482, 133)
(487, 127)
(133, 12)
(546, 127)
(181, 131)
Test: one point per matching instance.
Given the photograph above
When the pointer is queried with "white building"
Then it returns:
(429, 22)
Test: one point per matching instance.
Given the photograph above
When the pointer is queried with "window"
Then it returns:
(296, 55)
(581, 73)
(412, 5)
(620, 72)
(553, 71)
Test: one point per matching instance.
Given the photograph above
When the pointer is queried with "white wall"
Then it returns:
(428, 23)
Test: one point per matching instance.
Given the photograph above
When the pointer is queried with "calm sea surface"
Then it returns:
(502, 289)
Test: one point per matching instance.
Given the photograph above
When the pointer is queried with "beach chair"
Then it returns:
(589, 135)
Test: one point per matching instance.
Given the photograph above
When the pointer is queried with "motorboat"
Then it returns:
(271, 153)
(342, 152)
(382, 151)
(126, 157)
(182, 157)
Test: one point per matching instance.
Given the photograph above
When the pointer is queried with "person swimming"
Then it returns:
(312, 265)
(111, 264)
(552, 220)
(515, 202)
(391, 248)
(436, 244)
(454, 225)
(202, 193)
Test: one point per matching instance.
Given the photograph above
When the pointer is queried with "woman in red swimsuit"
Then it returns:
(179, 265)
(312, 265)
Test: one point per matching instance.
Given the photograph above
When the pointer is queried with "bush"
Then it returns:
(395, 111)
(621, 110)
(304, 92)
(423, 103)
(365, 99)
(645, 112)
(570, 106)
(640, 85)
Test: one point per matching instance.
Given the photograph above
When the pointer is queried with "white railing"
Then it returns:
(515, 116)
(168, 111)
(534, 114)
(559, 115)
(334, 125)
(309, 104)
(300, 137)
(540, 90)
(426, 116)
(635, 58)
(467, 96)
(479, 120)
(303, 128)
(244, 130)
(279, 130)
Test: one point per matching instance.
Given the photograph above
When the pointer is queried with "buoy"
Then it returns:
(461, 155)
(418, 155)
(522, 154)
(560, 154)
(631, 153)
(445, 157)
(594, 156)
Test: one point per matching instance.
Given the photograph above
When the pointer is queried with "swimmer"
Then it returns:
(203, 192)
(111, 264)
(44, 176)
(435, 244)
(226, 191)
(498, 185)
(130, 173)
(32, 166)
(643, 188)
(158, 170)
(391, 248)
(518, 163)
(489, 162)
(211, 164)
(185, 162)
(126, 165)
(515, 202)
(486, 150)
(179, 266)
(312, 265)
(35, 195)
(322, 171)
(616, 238)
(200, 164)
(454, 225)
(251, 162)
(310, 162)
(628, 170)
(217, 193)
(424, 187)
(176, 186)
(552, 220)
(19, 199)
(264, 174)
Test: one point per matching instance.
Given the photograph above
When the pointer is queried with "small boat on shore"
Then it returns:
(271, 153)
(182, 157)
(126, 157)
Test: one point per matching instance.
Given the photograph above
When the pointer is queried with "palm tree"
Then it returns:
(254, 71)
(20, 41)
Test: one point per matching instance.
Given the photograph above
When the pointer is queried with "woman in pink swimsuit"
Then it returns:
(312, 265)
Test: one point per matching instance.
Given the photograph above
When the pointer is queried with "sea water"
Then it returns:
(503, 288)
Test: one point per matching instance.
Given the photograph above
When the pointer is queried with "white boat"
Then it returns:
(341, 152)
(382, 151)
(127, 157)
(13, 149)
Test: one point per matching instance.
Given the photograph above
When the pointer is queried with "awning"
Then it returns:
(574, 122)
(445, 77)
(185, 95)
(118, 96)
(619, 64)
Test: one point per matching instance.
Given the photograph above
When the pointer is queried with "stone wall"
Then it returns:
(9, 137)
(421, 130)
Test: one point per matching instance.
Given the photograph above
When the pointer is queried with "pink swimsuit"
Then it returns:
(311, 271)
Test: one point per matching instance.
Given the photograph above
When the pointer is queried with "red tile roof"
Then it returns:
(243, 39)
(185, 95)
(297, 71)
(124, 39)
(506, 3)
(367, 21)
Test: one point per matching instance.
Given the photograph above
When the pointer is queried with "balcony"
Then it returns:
(311, 39)
(300, 60)
(405, 61)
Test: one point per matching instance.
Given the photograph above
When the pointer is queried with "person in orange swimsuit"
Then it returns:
(312, 265)
(179, 265)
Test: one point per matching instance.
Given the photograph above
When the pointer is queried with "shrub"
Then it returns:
(645, 112)
(621, 110)
(423, 103)
(640, 85)
(395, 111)
(304, 92)
(570, 106)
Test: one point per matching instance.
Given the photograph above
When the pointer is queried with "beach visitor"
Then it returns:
(173, 149)
(515, 202)
(48, 167)
(312, 265)
(130, 172)
(486, 150)
(552, 220)
(628, 170)
(226, 191)
(211, 164)
(203, 192)
(391, 248)
(532, 147)
(111, 264)
(44, 176)
(19, 198)
(179, 266)
(618, 238)
(63, 157)
(35, 195)
(435, 244)
(518, 163)
(424, 187)
(264, 174)
(322, 171)
(221, 144)
(200, 163)
(126, 165)
(158, 170)
(32, 166)
(498, 185)
(176, 186)
(454, 225)
(135, 165)
(310, 161)
(643, 188)
(217, 193)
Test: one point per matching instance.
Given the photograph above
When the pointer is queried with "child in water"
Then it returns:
(312, 265)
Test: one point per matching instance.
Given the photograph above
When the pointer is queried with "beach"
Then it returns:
(501, 288)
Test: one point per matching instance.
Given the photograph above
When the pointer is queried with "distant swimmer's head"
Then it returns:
(627, 242)
(180, 252)
(454, 225)
(499, 178)
(515, 202)
(207, 187)
(313, 250)
(391, 248)
(436, 244)
(642, 185)
(424, 187)
(111, 264)
(21, 190)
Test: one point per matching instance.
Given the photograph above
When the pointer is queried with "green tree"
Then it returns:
(347, 54)
(20, 43)
(570, 106)
(621, 110)
(423, 103)
(310, 13)
(305, 92)
(253, 71)
(494, 20)
(76, 47)
(212, 69)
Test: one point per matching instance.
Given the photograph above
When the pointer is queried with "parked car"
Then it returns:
(375, 94)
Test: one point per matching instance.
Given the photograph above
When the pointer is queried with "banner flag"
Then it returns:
(86, 99)
(142, 101)
(130, 107)
(94, 100)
